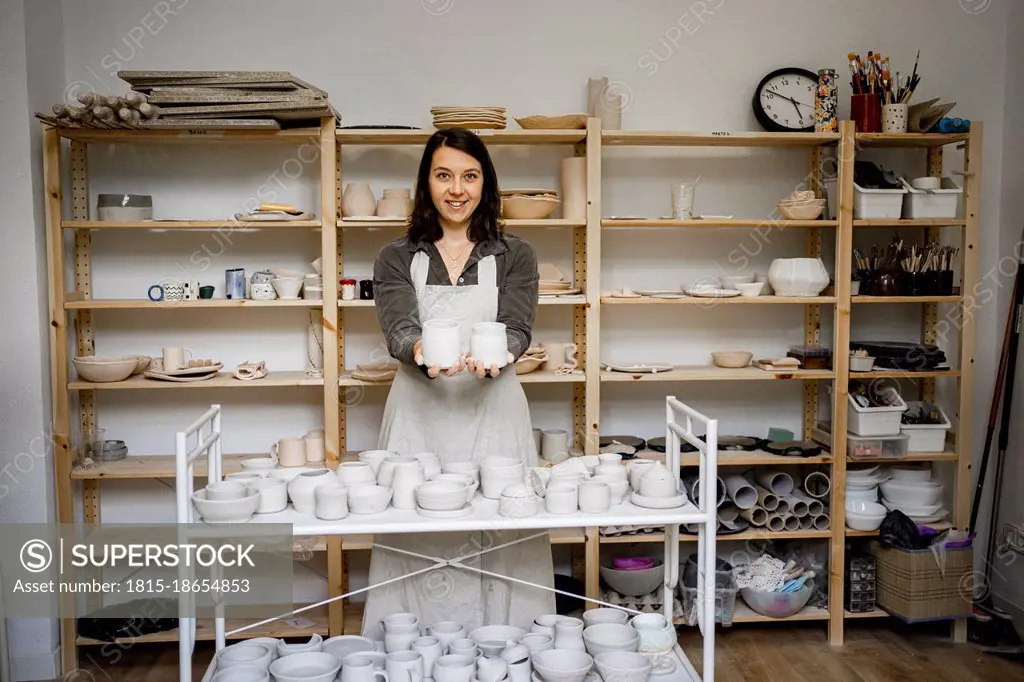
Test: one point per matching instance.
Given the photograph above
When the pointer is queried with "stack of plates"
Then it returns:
(469, 117)
(553, 282)
(198, 370)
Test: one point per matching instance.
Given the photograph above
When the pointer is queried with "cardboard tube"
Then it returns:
(728, 513)
(776, 524)
(783, 507)
(822, 522)
(792, 522)
(755, 515)
(766, 499)
(817, 484)
(797, 507)
(815, 508)
(775, 480)
(807, 523)
(742, 494)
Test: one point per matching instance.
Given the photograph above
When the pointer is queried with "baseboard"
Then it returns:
(30, 667)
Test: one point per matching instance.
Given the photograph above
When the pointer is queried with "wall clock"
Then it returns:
(784, 100)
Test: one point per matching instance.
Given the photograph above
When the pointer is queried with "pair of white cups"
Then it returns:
(442, 343)
(589, 497)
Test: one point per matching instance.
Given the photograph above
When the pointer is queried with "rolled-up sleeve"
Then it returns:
(395, 300)
(517, 300)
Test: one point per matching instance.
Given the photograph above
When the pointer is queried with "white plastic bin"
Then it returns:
(877, 204)
(926, 437)
(875, 421)
(935, 203)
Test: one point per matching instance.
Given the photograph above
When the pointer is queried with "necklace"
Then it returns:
(454, 260)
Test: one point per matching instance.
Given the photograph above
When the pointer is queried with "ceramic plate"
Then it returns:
(667, 296)
(648, 502)
(185, 379)
(191, 371)
(659, 292)
(638, 369)
(619, 294)
(712, 293)
(364, 218)
(560, 292)
(452, 514)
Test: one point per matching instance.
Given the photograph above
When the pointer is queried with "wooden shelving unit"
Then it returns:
(71, 333)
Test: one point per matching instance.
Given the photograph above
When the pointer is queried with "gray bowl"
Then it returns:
(124, 201)
(634, 583)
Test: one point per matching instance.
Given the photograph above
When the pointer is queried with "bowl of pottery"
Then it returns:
(105, 369)
(777, 604)
(731, 359)
(236, 510)
(635, 583)
(521, 207)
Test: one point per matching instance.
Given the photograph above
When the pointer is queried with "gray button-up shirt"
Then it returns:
(395, 295)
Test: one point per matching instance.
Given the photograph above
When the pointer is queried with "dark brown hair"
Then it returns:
(485, 223)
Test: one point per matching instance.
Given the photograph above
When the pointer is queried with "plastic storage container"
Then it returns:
(877, 204)
(725, 591)
(935, 203)
(926, 437)
(873, 447)
(875, 421)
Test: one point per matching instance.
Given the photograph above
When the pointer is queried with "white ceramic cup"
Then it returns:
(315, 448)
(374, 458)
(430, 649)
(561, 498)
(594, 497)
(360, 669)
(441, 343)
(404, 665)
(554, 444)
(431, 466)
(289, 452)
(176, 357)
(330, 501)
(225, 490)
(446, 631)
(456, 667)
(463, 646)
(273, 494)
(489, 344)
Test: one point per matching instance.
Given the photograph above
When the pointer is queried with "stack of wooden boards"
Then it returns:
(200, 99)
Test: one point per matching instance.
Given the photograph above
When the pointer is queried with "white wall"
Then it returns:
(31, 79)
(682, 65)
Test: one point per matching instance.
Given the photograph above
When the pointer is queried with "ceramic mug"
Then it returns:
(174, 292)
(441, 343)
(554, 444)
(455, 667)
(403, 665)
(273, 494)
(175, 357)
(315, 449)
(360, 669)
(559, 355)
(446, 631)
(489, 344)
(289, 452)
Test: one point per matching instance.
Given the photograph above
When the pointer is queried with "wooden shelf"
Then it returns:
(931, 222)
(535, 377)
(713, 302)
(578, 299)
(911, 457)
(745, 535)
(742, 613)
(143, 304)
(712, 373)
(510, 224)
(152, 466)
(371, 136)
(205, 630)
(904, 299)
(714, 224)
(734, 458)
(851, 533)
(903, 374)
(909, 139)
(222, 380)
(874, 613)
(226, 225)
(559, 536)
(292, 136)
(669, 138)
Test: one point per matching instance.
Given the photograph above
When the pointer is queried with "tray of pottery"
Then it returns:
(197, 370)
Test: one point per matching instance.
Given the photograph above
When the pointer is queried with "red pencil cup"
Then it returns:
(866, 112)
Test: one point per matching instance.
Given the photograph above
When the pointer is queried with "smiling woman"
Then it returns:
(455, 263)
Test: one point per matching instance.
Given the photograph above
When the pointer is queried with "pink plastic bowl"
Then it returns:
(633, 563)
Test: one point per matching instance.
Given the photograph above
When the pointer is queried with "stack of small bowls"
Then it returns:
(801, 205)
(498, 473)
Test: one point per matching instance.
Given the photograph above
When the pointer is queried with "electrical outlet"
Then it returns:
(1012, 537)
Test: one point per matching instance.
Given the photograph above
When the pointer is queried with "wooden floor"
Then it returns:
(872, 653)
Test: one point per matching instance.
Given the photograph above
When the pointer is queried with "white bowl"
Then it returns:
(604, 615)
(368, 499)
(247, 654)
(634, 583)
(857, 521)
(730, 281)
(496, 633)
(242, 673)
(865, 508)
(914, 494)
(287, 287)
(226, 511)
(225, 490)
(604, 637)
(103, 370)
(750, 289)
(869, 495)
(562, 665)
(917, 474)
(915, 510)
(623, 666)
(309, 666)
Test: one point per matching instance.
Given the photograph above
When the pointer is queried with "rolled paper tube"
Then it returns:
(817, 484)
(148, 110)
(765, 498)
(783, 507)
(691, 485)
(807, 522)
(755, 515)
(776, 523)
(822, 522)
(742, 494)
(797, 507)
(779, 482)
(792, 522)
(815, 508)
(728, 513)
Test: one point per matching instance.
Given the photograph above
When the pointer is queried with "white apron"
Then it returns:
(460, 418)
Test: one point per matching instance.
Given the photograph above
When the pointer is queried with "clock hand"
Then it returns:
(779, 94)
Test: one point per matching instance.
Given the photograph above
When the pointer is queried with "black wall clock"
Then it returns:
(784, 100)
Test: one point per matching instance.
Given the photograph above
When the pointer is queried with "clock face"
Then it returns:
(784, 100)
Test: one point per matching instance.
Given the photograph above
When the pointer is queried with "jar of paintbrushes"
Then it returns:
(880, 102)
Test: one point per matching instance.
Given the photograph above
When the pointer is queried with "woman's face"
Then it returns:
(456, 183)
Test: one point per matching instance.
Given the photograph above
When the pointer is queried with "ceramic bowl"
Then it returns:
(909, 473)
(315, 644)
(143, 363)
(912, 493)
(604, 637)
(368, 499)
(356, 473)
(496, 633)
(730, 281)
(528, 207)
(630, 563)
(634, 583)
(750, 289)
(562, 665)
(731, 358)
(245, 654)
(623, 666)
(343, 645)
(802, 211)
(102, 370)
(308, 666)
(225, 490)
(241, 673)
(226, 511)
(604, 615)
(777, 604)
(857, 521)
(287, 287)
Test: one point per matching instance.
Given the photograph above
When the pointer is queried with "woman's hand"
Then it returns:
(480, 369)
(432, 372)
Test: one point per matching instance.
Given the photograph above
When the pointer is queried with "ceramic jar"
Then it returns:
(358, 200)
(490, 666)
(442, 346)
(406, 478)
(301, 488)
(489, 344)
(798, 276)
